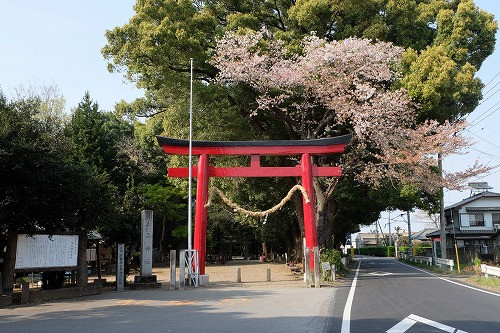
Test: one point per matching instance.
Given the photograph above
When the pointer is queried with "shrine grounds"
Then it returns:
(254, 305)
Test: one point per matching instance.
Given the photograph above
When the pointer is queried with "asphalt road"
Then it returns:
(199, 310)
(387, 296)
(393, 297)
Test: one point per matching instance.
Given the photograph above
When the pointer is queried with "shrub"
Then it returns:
(334, 257)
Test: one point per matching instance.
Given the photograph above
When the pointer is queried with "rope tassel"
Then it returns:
(259, 213)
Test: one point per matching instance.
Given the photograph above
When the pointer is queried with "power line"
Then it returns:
(485, 153)
(491, 80)
(486, 93)
(487, 98)
(491, 143)
(475, 121)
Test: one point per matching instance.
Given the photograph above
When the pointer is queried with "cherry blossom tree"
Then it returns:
(353, 84)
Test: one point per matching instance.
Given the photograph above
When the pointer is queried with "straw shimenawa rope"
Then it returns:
(261, 213)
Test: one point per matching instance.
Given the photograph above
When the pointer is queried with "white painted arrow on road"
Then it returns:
(405, 324)
(378, 273)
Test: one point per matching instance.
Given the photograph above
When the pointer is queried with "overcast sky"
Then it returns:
(58, 42)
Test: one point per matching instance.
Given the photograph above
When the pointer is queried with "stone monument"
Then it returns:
(146, 279)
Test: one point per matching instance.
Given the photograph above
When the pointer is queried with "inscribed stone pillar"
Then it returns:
(120, 268)
(146, 242)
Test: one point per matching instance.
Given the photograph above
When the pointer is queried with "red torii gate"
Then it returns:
(203, 171)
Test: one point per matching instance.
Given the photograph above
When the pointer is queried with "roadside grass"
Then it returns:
(437, 269)
(492, 282)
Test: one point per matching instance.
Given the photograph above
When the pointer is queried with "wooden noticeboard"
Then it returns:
(44, 251)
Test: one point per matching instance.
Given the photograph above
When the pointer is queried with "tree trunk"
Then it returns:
(81, 271)
(298, 228)
(98, 259)
(10, 262)
(162, 238)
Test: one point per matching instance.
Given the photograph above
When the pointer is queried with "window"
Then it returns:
(496, 218)
(476, 219)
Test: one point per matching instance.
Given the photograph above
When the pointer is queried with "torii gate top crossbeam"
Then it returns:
(288, 147)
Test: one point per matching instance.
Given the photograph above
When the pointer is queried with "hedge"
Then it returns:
(388, 251)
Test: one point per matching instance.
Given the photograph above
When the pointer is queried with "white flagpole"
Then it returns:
(190, 175)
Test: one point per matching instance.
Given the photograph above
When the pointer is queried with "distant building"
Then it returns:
(367, 239)
(473, 223)
(422, 234)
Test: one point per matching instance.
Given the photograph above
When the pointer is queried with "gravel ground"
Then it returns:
(253, 275)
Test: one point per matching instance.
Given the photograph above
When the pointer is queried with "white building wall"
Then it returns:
(488, 218)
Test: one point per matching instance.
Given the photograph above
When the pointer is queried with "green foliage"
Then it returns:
(491, 281)
(446, 43)
(477, 262)
(180, 232)
(42, 188)
(389, 251)
(334, 257)
(377, 251)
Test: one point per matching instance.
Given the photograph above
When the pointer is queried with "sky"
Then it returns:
(58, 43)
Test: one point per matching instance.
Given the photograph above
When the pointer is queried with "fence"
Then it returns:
(446, 262)
(490, 270)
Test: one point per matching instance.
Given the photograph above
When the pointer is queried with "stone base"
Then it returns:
(145, 282)
(145, 279)
(5, 300)
(203, 280)
(62, 293)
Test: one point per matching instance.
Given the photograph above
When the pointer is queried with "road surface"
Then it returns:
(200, 310)
(385, 296)
(389, 296)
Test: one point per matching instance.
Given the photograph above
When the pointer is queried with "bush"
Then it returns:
(377, 251)
(389, 251)
(334, 257)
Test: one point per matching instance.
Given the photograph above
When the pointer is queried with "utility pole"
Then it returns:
(390, 236)
(409, 234)
(382, 233)
(397, 241)
(442, 220)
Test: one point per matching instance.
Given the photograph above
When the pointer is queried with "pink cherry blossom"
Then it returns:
(349, 82)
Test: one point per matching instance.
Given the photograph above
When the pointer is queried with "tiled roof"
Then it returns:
(463, 233)
(472, 198)
(422, 234)
(482, 209)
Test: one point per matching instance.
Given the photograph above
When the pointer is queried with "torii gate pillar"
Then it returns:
(309, 207)
(200, 221)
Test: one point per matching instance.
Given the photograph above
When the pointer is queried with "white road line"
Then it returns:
(346, 318)
(450, 281)
(403, 326)
(432, 323)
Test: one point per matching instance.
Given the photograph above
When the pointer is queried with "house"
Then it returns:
(422, 234)
(367, 239)
(474, 223)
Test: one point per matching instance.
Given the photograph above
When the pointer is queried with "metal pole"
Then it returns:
(190, 172)
(190, 175)
(409, 235)
(442, 220)
(390, 237)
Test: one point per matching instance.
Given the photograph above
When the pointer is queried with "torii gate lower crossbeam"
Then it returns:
(203, 171)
